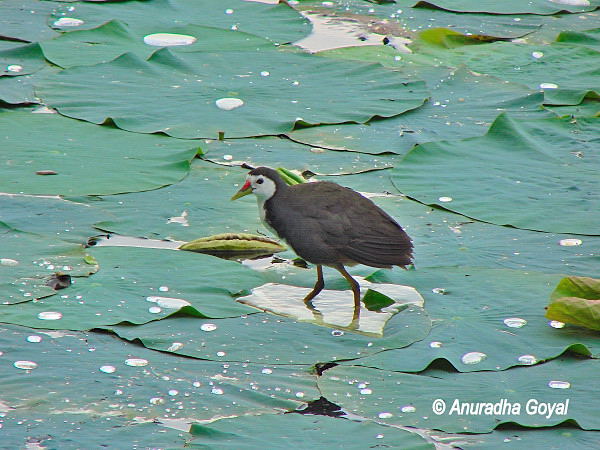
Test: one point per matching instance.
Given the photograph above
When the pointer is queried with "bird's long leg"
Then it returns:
(319, 285)
(355, 287)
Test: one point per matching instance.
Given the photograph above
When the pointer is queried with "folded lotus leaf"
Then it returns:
(576, 300)
(290, 177)
(577, 311)
(234, 243)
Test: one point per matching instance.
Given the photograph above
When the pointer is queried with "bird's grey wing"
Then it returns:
(340, 225)
(357, 228)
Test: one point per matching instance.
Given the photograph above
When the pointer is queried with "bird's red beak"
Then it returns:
(245, 190)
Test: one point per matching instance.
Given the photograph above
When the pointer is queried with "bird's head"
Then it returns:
(262, 182)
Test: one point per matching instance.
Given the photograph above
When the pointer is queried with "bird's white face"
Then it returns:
(263, 187)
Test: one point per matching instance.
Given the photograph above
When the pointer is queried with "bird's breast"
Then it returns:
(262, 213)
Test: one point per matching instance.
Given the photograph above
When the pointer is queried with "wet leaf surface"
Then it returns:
(191, 85)
(261, 334)
(23, 60)
(37, 142)
(130, 287)
(414, 398)
(113, 39)
(509, 7)
(317, 431)
(462, 104)
(550, 178)
(479, 137)
(28, 261)
(496, 313)
(278, 23)
(277, 152)
(136, 391)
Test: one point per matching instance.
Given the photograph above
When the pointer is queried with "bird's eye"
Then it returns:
(259, 181)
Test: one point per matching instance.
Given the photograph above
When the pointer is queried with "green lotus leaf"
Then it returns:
(589, 107)
(409, 21)
(179, 211)
(26, 20)
(23, 60)
(588, 38)
(203, 94)
(20, 90)
(566, 435)
(478, 178)
(143, 392)
(507, 6)
(281, 431)
(112, 39)
(262, 335)
(561, 70)
(55, 217)
(138, 285)
(274, 151)
(87, 159)
(463, 104)
(278, 23)
(498, 314)
(433, 398)
(28, 261)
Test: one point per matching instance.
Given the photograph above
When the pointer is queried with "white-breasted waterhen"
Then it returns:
(328, 225)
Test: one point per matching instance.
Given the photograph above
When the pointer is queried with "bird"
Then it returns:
(327, 224)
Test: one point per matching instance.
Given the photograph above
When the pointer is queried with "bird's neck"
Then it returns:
(262, 212)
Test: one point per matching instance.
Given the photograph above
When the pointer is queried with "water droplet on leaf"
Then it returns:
(168, 302)
(68, 22)
(559, 384)
(208, 327)
(473, 357)
(175, 346)
(515, 322)
(527, 359)
(229, 103)
(8, 262)
(548, 86)
(136, 362)
(168, 39)
(50, 315)
(25, 365)
(570, 242)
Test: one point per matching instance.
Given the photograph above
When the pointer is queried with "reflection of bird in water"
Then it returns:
(328, 224)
